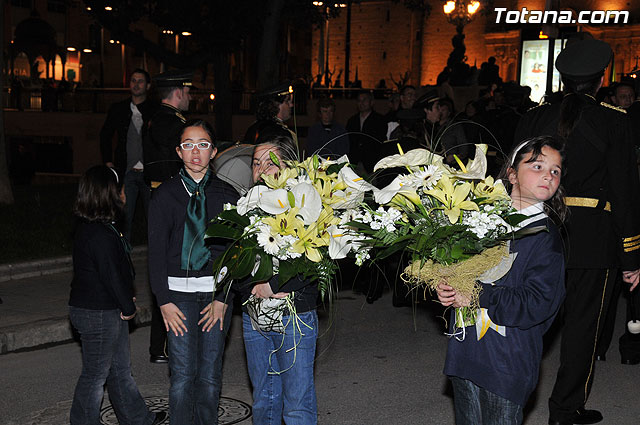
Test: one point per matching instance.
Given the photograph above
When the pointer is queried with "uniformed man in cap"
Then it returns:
(601, 185)
(163, 131)
(161, 162)
(275, 107)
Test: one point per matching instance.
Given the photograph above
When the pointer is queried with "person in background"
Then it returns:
(160, 136)
(327, 138)
(102, 303)
(161, 163)
(126, 119)
(623, 95)
(603, 227)
(366, 131)
(275, 108)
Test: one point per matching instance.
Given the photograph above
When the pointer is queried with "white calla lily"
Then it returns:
(346, 199)
(327, 162)
(412, 159)
(399, 185)
(274, 201)
(354, 181)
(251, 199)
(478, 167)
(340, 242)
(308, 200)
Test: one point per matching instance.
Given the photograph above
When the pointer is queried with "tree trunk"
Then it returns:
(223, 105)
(6, 195)
(268, 57)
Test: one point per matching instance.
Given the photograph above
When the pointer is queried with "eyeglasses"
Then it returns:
(188, 146)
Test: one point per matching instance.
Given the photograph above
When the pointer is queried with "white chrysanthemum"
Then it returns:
(269, 242)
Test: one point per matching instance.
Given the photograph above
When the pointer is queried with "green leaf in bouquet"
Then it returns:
(515, 219)
(335, 168)
(288, 269)
(224, 231)
(265, 269)
(233, 216)
(274, 159)
(292, 199)
(457, 252)
(398, 246)
(240, 261)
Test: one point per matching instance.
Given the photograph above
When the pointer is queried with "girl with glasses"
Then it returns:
(181, 277)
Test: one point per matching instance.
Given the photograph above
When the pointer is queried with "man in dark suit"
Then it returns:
(162, 163)
(367, 130)
(603, 229)
(159, 140)
(126, 119)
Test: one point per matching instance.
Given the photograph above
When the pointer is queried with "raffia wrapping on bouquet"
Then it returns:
(460, 276)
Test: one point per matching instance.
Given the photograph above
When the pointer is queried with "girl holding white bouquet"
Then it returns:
(494, 368)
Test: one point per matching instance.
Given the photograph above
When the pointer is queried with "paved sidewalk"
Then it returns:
(35, 297)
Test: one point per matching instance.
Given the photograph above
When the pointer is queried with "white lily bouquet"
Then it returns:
(454, 224)
(292, 225)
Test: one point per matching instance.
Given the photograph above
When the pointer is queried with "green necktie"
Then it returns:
(194, 254)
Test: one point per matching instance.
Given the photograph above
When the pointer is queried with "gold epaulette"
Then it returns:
(537, 106)
(617, 108)
(631, 244)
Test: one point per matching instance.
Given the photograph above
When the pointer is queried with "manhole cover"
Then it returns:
(230, 411)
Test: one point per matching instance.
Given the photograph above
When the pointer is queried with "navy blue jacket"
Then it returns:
(526, 302)
(102, 270)
(167, 215)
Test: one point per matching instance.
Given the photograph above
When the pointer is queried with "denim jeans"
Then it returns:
(195, 360)
(134, 185)
(291, 394)
(476, 406)
(105, 359)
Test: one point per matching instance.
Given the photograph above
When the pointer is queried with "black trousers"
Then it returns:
(586, 304)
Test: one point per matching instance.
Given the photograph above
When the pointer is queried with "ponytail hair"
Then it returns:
(554, 207)
(574, 101)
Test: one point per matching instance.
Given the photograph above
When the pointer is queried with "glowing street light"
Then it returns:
(186, 33)
(460, 12)
(71, 49)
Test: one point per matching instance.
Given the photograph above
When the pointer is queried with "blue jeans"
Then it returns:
(105, 359)
(134, 185)
(291, 394)
(476, 406)
(195, 360)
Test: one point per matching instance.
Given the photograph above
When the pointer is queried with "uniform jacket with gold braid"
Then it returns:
(600, 178)
(159, 141)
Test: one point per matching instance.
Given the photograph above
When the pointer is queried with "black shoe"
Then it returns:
(581, 416)
(160, 358)
(601, 357)
(160, 417)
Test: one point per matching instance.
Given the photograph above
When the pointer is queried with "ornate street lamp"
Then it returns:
(459, 13)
